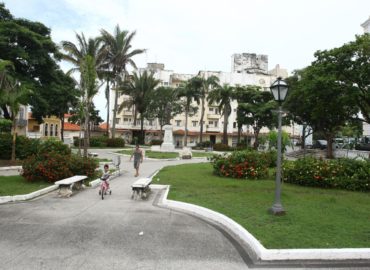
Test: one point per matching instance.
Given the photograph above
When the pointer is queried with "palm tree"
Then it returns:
(223, 96)
(87, 57)
(207, 84)
(190, 91)
(13, 97)
(118, 55)
(140, 88)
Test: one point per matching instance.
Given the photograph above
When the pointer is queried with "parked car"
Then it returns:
(320, 144)
(363, 144)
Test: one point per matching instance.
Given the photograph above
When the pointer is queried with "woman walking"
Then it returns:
(138, 158)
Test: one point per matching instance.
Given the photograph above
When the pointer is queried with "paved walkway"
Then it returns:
(85, 232)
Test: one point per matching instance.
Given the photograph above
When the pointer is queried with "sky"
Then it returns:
(192, 35)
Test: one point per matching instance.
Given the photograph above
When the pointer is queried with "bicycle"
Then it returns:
(104, 189)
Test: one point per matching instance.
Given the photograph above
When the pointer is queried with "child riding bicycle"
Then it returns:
(105, 176)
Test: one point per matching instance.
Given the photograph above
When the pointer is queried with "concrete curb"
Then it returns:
(257, 248)
(6, 199)
(10, 168)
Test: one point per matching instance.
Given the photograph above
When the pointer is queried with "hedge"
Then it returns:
(341, 173)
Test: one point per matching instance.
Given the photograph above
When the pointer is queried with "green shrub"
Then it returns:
(115, 142)
(24, 146)
(83, 166)
(5, 146)
(49, 167)
(54, 145)
(343, 173)
(100, 141)
(205, 144)
(5, 125)
(221, 147)
(156, 142)
(241, 164)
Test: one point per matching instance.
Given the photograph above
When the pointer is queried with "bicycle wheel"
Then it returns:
(102, 193)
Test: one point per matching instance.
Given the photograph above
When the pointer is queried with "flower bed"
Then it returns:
(346, 174)
(243, 164)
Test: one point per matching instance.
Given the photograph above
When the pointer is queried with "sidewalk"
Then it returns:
(84, 232)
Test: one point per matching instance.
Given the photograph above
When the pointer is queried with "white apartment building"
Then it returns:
(247, 69)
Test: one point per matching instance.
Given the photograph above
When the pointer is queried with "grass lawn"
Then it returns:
(163, 155)
(316, 218)
(17, 185)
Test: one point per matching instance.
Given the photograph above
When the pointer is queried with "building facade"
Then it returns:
(247, 69)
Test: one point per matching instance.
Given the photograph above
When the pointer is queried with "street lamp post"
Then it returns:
(279, 89)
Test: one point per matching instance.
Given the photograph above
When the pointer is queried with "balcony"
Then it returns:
(213, 116)
(213, 129)
(127, 113)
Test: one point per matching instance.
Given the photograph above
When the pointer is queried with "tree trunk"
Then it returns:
(256, 141)
(226, 117)
(186, 127)
(239, 133)
(114, 111)
(14, 138)
(329, 148)
(201, 122)
(62, 127)
(303, 138)
(108, 107)
(142, 128)
(86, 131)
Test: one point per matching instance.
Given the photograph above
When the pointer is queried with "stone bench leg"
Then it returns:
(65, 191)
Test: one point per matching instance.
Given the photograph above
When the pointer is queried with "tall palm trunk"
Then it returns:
(226, 117)
(186, 127)
(14, 121)
(114, 111)
(107, 94)
(86, 135)
(142, 129)
(201, 121)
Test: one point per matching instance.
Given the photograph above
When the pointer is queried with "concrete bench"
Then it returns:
(66, 185)
(141, 188)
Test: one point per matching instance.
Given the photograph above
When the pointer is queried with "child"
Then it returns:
(106, 175)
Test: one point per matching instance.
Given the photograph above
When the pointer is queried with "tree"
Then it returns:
(118, 56)
(350, 65)
(29, 47)
(164, 105)
(255, 109)
(189, 91)
(13, 97)
(87, 56)
(207, 85)
(140, 88)
(223, 96)
(320, 101)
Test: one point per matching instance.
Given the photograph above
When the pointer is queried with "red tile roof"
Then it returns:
(71, 127)
(103, 126)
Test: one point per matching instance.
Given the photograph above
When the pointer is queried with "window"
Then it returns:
(46, 129)
(56, 130)
(21, 113)
(216, 111)
(117, 120)
(178, 123)
(216, 123)
(195, 123)
(150, 122)
(125, 120)
(165, 83)
(234, 125)
(234, 110)
(210, 123)
(51, 129)
(211, 109)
